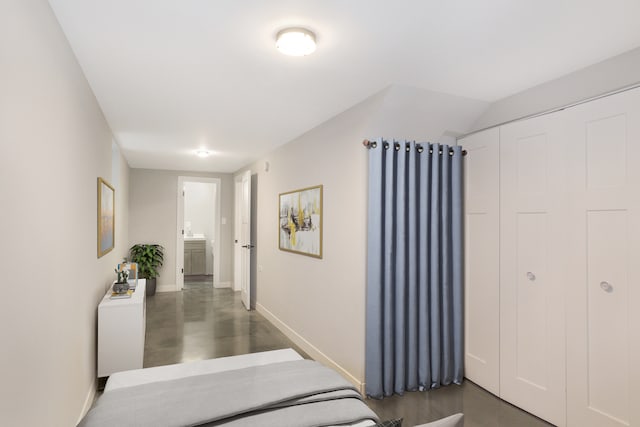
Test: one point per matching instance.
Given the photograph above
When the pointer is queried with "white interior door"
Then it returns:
(603, 320)
(532, 267)
(482, 258)
(245, 241)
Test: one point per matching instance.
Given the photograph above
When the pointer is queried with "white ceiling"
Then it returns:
(173, 76)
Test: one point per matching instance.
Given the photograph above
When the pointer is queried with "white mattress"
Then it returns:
(209, 366)
(181, 370)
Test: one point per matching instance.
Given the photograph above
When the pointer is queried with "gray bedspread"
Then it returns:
(298, 393)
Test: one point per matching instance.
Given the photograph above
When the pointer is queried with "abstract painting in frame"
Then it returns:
(106, 217)
(300, 221)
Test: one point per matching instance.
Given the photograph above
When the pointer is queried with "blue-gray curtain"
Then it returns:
(414, 324)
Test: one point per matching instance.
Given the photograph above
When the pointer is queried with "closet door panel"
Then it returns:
(531, 290)
(532, 271)
(602, 316)
(608, 314)
(482, 259)
(531, 172)
(606, 146)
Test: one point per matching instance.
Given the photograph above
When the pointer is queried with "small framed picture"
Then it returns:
(106, 217)
(300, 221)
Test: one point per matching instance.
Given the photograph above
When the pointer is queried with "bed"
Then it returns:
(261, 389)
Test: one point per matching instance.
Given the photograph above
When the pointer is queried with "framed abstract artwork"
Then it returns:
(300, 221)
(106, 217)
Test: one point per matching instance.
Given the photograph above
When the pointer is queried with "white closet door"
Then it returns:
(482, 259)
(532, 266)
(603, 320)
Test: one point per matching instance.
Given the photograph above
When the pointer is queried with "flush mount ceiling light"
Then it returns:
(296, 41)
(202, 153)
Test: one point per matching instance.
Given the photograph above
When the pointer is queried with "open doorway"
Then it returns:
(198, 225)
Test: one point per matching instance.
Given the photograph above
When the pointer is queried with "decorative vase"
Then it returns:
(120, 288)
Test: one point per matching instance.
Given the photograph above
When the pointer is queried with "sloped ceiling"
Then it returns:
(175, 76)
(422, 115)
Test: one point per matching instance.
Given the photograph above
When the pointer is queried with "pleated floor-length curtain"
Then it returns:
(414, 319)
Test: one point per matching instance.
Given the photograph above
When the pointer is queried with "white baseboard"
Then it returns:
(222, 285)
(312, 350)
(166, 288)
(91, 395)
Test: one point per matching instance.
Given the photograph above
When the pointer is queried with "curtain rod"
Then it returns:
(373, 144)
(370, 144)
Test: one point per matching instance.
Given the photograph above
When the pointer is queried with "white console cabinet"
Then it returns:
(121, 329)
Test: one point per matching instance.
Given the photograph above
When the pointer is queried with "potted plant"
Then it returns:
(149, 258)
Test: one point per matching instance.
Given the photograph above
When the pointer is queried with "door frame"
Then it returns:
(245, 252)
(237, 254)
(180, 228)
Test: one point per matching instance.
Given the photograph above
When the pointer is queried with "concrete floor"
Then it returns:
(202, 322)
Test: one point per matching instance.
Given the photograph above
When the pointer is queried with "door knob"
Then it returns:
(531, 276)
(607, 287)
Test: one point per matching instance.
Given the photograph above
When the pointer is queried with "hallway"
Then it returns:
(197, 281)
(203, 322)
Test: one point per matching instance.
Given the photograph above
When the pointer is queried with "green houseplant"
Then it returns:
(149, 258)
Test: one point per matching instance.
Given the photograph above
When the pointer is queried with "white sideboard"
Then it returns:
(121, 329)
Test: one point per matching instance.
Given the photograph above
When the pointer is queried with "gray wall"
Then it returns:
(611, 74)
(54, 143)
(320, 303)
(153, 215)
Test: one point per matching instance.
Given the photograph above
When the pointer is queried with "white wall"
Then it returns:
(153, 216)
(614, 73)
(120, 180)
(320, 303)
(423, 115)
(54, 143)
(199, 210)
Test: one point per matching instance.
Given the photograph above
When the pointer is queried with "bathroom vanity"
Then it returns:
(195, 256)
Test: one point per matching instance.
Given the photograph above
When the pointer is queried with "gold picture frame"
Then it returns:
(300, 221)
(106, 217)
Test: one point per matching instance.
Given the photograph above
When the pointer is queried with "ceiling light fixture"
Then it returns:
(296, 41)
(202, 153)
